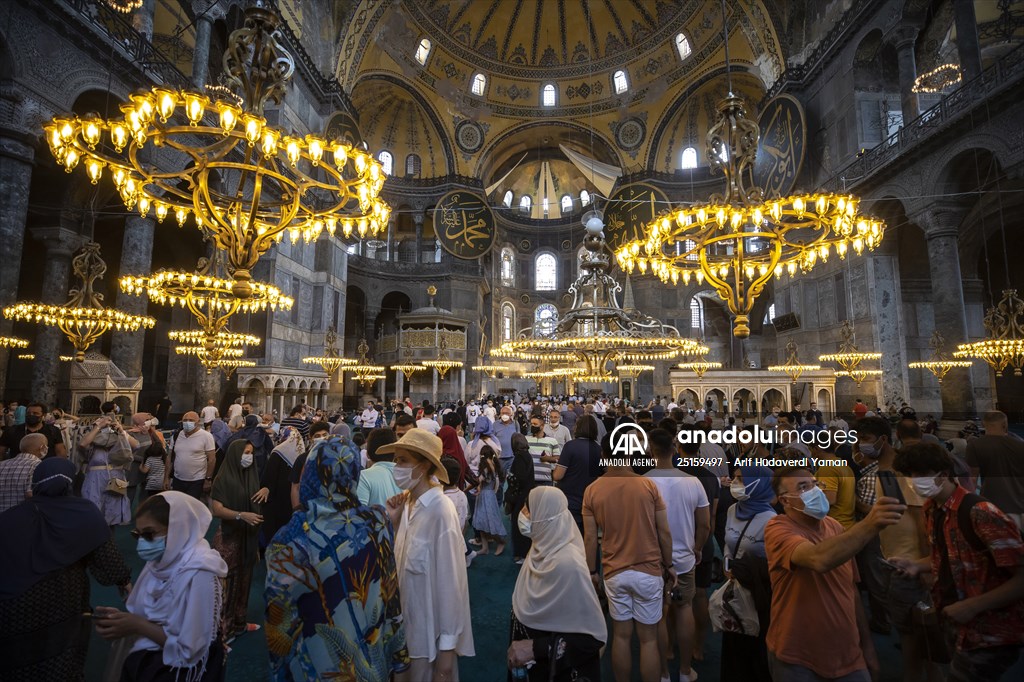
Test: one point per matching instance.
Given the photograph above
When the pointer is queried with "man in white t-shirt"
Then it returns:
(556, 429)
(472, 412)
(490, 412)
(428, 423)
(210, 412)
(689, 519)
(193, 458)
(235, 410)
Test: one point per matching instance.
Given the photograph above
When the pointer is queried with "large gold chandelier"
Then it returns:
(1004, 346)
(700, 367)
(364, 369)
(793, 367)
(739, 240)
(245, 181)
(849, 358)
(597, 331)
(941, 363)
(83, 319)
(214, 352)
(331, 361)
(442, 363)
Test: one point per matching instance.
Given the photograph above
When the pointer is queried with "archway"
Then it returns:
(744, 403)
(772, 398)
(688, 399)
(714, 400)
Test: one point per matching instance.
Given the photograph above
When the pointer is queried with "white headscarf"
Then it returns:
(291, 447)
(160, 594)
(554, 592)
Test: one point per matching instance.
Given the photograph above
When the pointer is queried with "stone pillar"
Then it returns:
(418, 219)
(462, 384)
(967, 44)
(399, 385)
(433, 392)
(201, 53)
(392, 227)
(207, 387)
(142, 19)
(370, 328)
(941, 227)
(136, 258)
(60, 244)
(903, 38)
(15, 177)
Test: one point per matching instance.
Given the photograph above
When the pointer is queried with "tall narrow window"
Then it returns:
(548, 95)
(479, 85)
(544, 320)
(696, 314)
(544, 207)
(769, 317)
(387, 162)
(507, 201)
(566, 204)
(508, 322)
(584, 198)
(546, 272)
(683, 46)
(413, 165)
(524, 204)
(620, 82)
(508, 267)
(423, 52)
(689, 158)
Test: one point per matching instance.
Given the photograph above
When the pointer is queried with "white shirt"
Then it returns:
(428, 424)
(208, 414)
(234, 410)
(672, 405)
(430, 556)
(559, 433)
(368, 419)
(599, 408)
(190, 454)
(458, 498)
(490, 412)
(472, 412)
(699, 415)
(683, 494)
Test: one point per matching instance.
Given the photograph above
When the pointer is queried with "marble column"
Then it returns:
(904, 38)
(370, 328)
(392, 227)
(967, 44)
(418, 219)
(136, 258)
(142, 19)
(941, 224)
(207, 386)
(433, 392)
(201, 53)
(60, 244)
(15, 177)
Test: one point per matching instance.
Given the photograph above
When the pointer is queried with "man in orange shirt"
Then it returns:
(818, 628)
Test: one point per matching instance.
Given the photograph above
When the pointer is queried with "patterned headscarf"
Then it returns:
(334, 563)
(758, 483)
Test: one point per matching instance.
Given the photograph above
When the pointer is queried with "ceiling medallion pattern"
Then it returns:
(630, 134)
(469, 136)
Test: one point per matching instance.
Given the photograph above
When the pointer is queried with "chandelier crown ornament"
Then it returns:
(793, 367)
(331, 360)
(245, 182)
(443, 364)
(849, 358)
(364, 369)
(940, 362)
(83, 319)
(1004, 345)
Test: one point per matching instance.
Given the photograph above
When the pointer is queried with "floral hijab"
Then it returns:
(332, 587)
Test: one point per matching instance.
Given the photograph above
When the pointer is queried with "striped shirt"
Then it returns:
(155, 477)
(540, 447)
(16, 479)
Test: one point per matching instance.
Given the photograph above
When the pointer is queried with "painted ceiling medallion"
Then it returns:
(469, 136)
(630, 134)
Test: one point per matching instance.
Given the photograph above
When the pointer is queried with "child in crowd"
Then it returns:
(153, 465)
(487, 516)
(452, 490)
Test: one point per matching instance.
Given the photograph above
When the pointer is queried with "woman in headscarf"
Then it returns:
(520, 483)
(48, 542)
(234, 502)
(106, 450)
(275, 492)
(175, 608)
(451, 446)
(256, 433)
(483, 434)
(332, 590)
(556, 619)
(745, 657)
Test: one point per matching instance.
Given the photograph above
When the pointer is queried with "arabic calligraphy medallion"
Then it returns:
(464, 224)
(783, 146)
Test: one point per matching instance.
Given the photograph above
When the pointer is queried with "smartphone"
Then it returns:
(890, 486)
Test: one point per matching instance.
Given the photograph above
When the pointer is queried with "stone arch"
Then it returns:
(392, 305)
(773, 397)
(689, 397)
(718, 399)
(960, 163)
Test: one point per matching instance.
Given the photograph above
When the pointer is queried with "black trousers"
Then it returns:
(193, 488)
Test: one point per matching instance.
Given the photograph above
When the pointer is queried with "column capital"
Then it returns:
(207, 10)
(59, 242)
(940, 219)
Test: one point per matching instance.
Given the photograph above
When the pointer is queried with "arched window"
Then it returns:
(545, 272)
(548, 95)
(769, 317)
(620, 82)
(584, 198)
(544, 319)
(524, 204)
(683, 46)
(566, 204)
(507, 200)
(508, 322)
(689, 158)
(696, 314)
(386, 162)
(423, 51)
(479, 85)
(508, 267)
(413, 166)
(544, 207)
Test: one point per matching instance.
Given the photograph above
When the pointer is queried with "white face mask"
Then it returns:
(316, 441)
(739, 491)
(188, 426)
(42, 453)
(506, 417)
(925, 486)
(525, 524)
(153, 422)
(404, 478)
(247, 458)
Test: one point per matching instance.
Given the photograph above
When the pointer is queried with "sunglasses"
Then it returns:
(147, 535)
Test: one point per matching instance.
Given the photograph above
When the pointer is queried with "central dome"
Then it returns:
(562, 37)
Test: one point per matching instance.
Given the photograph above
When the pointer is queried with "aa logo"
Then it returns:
(629, 440)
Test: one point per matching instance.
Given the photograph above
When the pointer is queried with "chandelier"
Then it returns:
(213, 351)
(859, 375)
(793, 367)
(938, 79)
(223, 339)
(941, 363)
(364, 369)
(228, 367)
(12, 342)
(490, 370)
(31, 356)
(368, 380)
(331, 361)
(245, 181)
(83, 319)
(1004, 346)
(700, 367)
(633, 370)
(849, 358)
(123, 6)
(407, 366)
(597, 331)
(442, 363)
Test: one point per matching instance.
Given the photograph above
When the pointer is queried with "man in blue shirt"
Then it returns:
(504, 429)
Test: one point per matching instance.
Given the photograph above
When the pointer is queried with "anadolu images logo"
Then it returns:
(629, 440)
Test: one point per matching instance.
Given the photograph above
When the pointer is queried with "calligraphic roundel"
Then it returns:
(629, 210)
(464, 224)
(783, 146)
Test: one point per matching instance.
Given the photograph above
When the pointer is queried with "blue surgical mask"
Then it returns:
(868, 450)
(815, 503)
(151, 550)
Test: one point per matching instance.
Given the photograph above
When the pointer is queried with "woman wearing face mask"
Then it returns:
(557, 623)
(175, 608)
(744, 657)
(48, 543)
(105, 439)
(275, 482)
(234, 503)
(521, 482)
(429, 553)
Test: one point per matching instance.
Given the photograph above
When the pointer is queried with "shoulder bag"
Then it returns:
(731, 607)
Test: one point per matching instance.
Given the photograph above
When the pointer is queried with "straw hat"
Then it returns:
(423, 443)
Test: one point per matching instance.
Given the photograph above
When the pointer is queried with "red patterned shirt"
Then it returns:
(974, 573)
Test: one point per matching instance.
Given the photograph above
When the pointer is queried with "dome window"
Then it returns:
(479, 85)
(620, 82)
(689, 161)
(413, 165)
(507, 200)
(584, 198)
(387, 162)
(566, 204)
(683, 46)
(524, 204)
(423, 51)
(548, 95)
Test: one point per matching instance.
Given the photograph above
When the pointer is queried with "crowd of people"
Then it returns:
(792, 552)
